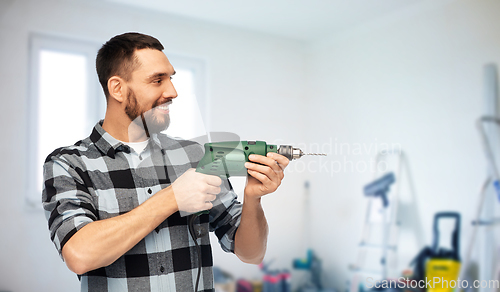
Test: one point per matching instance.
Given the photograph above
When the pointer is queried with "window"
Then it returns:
(189, 111)
(65, 101)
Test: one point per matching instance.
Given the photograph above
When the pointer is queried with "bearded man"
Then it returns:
(115, 201)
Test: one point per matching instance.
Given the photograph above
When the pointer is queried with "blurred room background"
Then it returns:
(348, 78)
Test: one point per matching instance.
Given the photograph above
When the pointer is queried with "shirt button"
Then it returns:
(149, 191)
(162, 269)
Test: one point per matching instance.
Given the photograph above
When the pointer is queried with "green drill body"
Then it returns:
(226, 159)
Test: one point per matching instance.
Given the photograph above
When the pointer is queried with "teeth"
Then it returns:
(164, 106)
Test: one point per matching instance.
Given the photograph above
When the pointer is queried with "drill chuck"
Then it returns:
(290, 152)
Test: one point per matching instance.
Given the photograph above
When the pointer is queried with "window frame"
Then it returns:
(95, 99)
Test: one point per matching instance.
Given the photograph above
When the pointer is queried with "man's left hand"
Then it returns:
(265, 174)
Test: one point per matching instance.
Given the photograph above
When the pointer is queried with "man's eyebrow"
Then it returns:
(160, 74)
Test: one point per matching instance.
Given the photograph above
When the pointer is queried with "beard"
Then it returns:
(150, 120)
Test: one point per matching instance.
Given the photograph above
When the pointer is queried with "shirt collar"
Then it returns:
(106, 143)
(109, 145)
(156, 140)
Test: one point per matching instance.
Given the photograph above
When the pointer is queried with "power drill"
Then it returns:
(227, 159)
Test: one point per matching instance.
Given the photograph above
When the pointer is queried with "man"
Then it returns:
(115, 200)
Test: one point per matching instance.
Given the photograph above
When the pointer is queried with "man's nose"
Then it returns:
(170, 91)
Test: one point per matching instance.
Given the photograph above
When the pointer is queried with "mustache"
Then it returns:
(158, 103)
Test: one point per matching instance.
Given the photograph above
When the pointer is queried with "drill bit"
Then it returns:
(294, 153)
(300, 154)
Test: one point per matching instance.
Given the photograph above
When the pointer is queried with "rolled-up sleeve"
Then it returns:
(225, 217)
(67, 201)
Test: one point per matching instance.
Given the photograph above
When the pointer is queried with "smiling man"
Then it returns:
(114, 201)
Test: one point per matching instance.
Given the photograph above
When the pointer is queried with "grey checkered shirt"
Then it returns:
(100, 177)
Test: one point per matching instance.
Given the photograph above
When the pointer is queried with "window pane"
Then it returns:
(62, 102)
(185, 116)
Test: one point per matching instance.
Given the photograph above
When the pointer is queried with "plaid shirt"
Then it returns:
(100, 177)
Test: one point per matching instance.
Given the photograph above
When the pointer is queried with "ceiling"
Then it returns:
(304, 20)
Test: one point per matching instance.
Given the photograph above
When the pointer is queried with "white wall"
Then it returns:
(416, 81)
(254, 81)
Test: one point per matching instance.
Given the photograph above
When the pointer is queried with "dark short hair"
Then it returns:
(116, 57)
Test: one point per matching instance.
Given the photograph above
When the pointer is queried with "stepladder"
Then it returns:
(377, 251)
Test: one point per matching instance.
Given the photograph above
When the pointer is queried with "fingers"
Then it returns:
(264, 179)
(195, 191)
(270, 171)
(266, 170)
(211, 190)
(265, 161)
(270, 159)
(212, 180)
(206, 205)
(280, 159)
(272, 165)
(266, 184)
(209, 179)
(210, 198)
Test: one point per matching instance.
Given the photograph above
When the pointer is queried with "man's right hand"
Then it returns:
(100, 243)
(194, 191)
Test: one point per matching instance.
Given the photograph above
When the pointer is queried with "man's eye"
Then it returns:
(157, 81)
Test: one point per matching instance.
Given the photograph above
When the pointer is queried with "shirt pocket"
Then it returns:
(114, 202)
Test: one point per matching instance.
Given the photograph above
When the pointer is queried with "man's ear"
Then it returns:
(116, 88)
